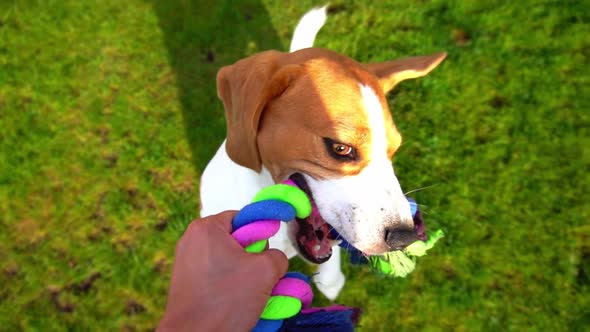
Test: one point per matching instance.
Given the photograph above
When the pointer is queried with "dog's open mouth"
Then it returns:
(315, 238)
(313, 234)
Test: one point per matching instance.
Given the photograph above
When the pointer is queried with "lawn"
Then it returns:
(109, 114)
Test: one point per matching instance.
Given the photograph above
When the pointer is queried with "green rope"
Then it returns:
(400, 263)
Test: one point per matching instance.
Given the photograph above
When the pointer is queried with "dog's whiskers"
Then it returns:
(422, 206)
(338, 237)
(418, 189)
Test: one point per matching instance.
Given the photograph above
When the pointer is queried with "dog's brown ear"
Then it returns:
(390, 73)
(245, 88)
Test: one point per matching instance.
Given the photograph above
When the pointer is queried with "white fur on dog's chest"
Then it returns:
(226, 185)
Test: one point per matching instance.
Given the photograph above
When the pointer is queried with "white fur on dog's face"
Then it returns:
(360, 207)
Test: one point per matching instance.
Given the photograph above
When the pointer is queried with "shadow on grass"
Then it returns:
(201, 37)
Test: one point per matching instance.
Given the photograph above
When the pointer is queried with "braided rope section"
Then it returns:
(288, 308)
(253, 226)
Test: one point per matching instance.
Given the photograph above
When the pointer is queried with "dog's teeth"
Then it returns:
(336, 242)
(317, 248)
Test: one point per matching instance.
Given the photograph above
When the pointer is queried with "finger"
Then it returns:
(222, 220)
(273, 266)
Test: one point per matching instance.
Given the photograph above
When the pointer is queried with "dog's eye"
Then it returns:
(340, 151)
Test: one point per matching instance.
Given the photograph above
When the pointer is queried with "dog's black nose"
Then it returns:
(399, 238)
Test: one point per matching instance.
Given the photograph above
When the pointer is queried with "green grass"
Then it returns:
(108, 115)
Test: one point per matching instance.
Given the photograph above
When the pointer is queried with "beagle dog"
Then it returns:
(322, 120)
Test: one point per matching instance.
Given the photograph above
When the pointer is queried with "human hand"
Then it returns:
(215, 284)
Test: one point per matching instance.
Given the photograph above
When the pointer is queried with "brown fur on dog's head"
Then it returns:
(314, 91)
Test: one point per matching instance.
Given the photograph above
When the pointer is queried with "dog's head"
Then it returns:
(322, 120)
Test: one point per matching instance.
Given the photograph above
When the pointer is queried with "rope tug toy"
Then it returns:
(289, 306)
